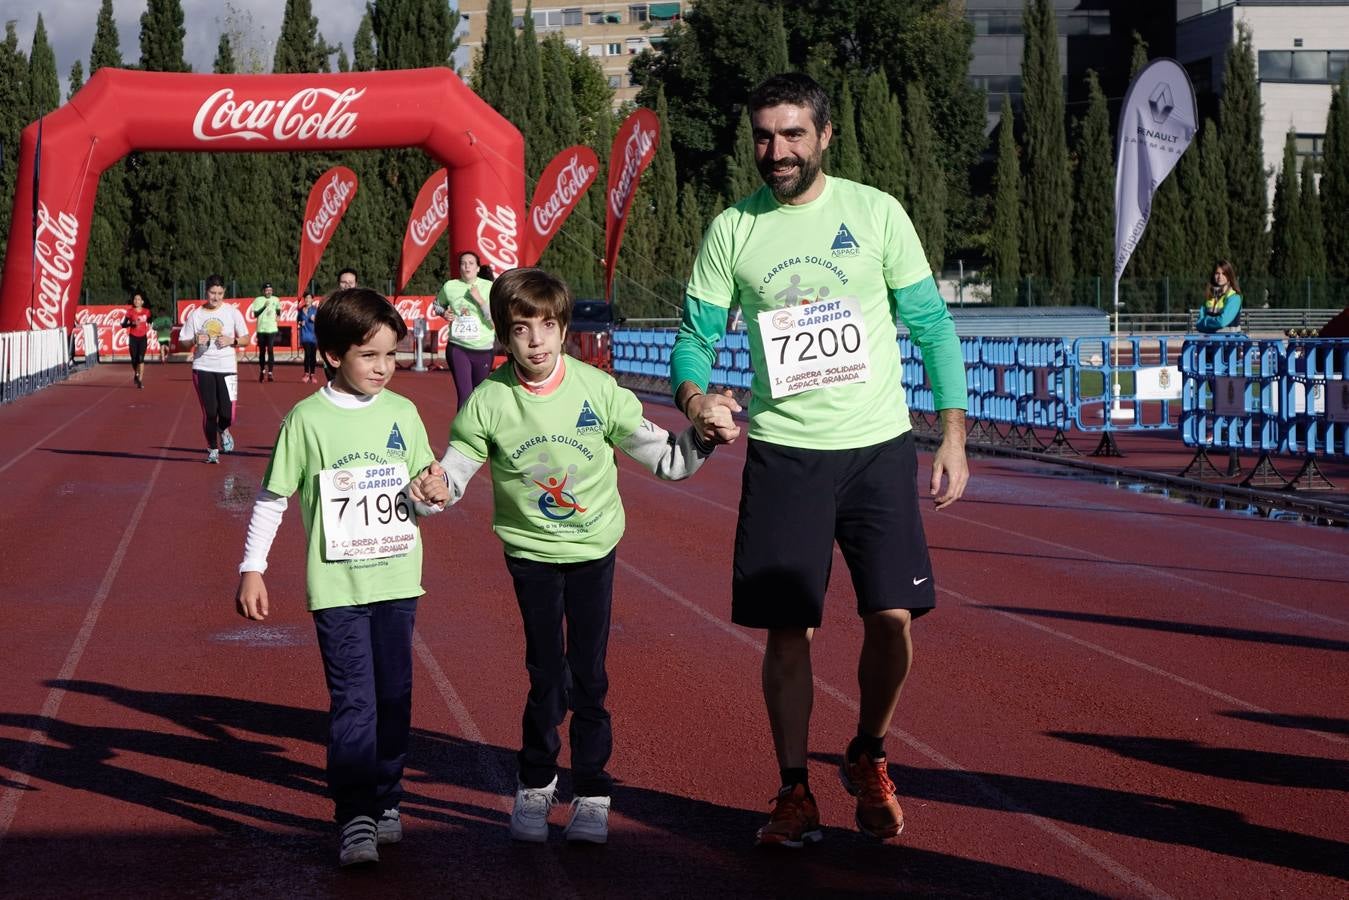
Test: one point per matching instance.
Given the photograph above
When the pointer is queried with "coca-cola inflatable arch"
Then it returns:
(119, 111)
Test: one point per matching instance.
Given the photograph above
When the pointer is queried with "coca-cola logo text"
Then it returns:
(638, 145)
(318, 113)
(54, 244)
(111, 317)
(496, 236)
(424, 228)
(335, 194)
(572, 181)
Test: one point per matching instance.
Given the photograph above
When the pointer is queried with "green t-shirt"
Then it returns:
(554, 482)
(850, 242)
(455, 297)
(317, 434)
(266, 309)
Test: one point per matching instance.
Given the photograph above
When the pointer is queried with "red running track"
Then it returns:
(1119, 695)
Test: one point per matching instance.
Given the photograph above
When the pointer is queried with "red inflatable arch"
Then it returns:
(119, 111)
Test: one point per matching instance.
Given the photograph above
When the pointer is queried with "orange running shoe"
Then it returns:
(794, 822)
(878, 812)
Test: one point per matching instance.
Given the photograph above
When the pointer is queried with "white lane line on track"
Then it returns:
(1138, 664)
(37, 738)
(46, 437)
(1143, 566)
(988, 791)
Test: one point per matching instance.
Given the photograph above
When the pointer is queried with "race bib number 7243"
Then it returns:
(818, 345)
(366, 514)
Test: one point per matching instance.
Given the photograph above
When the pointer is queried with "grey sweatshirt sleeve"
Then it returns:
(667, 456)
(458, 470)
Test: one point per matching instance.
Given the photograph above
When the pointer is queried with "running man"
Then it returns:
(830, 455)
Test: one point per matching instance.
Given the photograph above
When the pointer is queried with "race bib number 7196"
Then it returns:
(366, 514)
(817, 345)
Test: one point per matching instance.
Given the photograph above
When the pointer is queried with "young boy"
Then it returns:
(548, 425)
(348, 449)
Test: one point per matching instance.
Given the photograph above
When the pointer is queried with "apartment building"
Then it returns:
(612, 33)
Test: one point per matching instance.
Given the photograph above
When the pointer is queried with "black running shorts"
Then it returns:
(794, 504)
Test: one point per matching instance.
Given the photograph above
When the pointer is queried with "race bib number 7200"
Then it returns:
(366, 514)
(817, 345)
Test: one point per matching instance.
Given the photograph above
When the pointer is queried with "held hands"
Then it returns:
(250, 600)
(430, 487)
(711, 415)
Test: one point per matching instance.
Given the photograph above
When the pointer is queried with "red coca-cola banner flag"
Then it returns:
(634, 145)
(328, 201)
(560, 188)
(430, 215)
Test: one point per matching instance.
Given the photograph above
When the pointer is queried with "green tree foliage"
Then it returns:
(13, 119)
(44, 89)
(1093, 200)
(1201, 211)
(363, 47)
(742, 175)
(1240, 118)
(1313, 236)
(540, 143)
(498, 74)
(880, 137)
(76, 79)
(343, 62)
(1214, 177)
(707, 66)
(1161, 259)
(1047, 243)
(844, 156)
(569, 254)
(927, 186)
(1005, 235)
(1335, 182)
(409, 34)
(1287, 264)
(112, 207)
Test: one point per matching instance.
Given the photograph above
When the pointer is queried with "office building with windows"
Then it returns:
(1301, 50)
(613, 33)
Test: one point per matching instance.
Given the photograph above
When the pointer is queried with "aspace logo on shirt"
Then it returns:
(844, 243)
(396, 440)
(587, 422)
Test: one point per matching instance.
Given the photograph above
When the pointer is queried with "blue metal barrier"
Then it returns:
(1105, 379)
(1230, 395)
(1315, 397)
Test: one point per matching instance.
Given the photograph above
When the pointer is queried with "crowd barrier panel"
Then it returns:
(1315, 397)
(1043, 383)
(1230, 395)
(1107, 374)
(31, 360)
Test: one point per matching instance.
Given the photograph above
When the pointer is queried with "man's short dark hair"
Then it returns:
(354, 276)
(795, 88)
(214, 281)
(350, 317)
(528, 293)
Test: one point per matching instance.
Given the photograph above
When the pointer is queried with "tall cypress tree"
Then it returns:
(1047, 247)
(568, 254)
(742, 174)
(112, 206)
(1211, 155)
(844, 157)
(13, 119)
(1313, 235)
(927, 182)
(162, 245)
(881, 137)
(1239, 115)
(497, 76)
(410, 34)
(1094, 202)
(540, 144)
(363, 47)
(1335, 183)
(1005, 235)
(1285, 264)
(1204, 215)
(76, 79)
(44, 88)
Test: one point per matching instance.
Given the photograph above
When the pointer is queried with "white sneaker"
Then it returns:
(529, 816)
(226, 441)
(358, 842)
(589, 820)
(213, 457)
(389, 830)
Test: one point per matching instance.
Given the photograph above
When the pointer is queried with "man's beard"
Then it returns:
(794, 182)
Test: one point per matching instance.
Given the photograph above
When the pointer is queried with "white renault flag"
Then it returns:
(1156, 125)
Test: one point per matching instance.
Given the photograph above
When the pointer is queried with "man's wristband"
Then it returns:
(684, 409)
